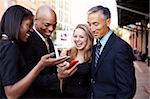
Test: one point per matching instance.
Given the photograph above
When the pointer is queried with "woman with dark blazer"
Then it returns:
(14, 30)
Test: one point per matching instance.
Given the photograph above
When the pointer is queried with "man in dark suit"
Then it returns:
(39, 44)
(113, 73)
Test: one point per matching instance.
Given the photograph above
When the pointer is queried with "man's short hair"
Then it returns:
(105, 11)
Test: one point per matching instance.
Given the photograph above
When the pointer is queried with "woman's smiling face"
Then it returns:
(25, 28)
(80, 39)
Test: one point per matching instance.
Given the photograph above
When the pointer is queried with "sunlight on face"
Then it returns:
(98, 24)
(85, 5)
(80, 39)
(46, 25)
(25, 28)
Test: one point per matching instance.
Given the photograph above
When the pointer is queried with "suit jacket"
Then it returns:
(47, 84)
(114, 76)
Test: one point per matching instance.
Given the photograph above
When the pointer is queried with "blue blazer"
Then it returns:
(114, 76)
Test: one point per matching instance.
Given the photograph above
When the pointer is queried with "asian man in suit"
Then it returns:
(39, 44)
(112, 73)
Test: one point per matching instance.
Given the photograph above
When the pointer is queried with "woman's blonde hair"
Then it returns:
(88, 48)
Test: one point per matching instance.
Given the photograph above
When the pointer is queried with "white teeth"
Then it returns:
(78, 44)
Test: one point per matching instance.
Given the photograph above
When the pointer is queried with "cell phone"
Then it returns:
(72, 63)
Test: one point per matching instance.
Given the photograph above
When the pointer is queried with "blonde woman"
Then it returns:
(76, 80)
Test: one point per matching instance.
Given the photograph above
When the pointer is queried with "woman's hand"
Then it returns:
(47, 60)
(63, 70)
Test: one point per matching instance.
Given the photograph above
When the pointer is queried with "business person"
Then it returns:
(113, 73)
(39, 43)
(15, 27)
(77, 84)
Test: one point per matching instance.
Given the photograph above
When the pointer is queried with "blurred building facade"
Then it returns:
(140, 40)
(61, 7)
(1, 7)
(134, 15)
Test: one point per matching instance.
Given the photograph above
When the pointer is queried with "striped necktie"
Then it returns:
(97, 52)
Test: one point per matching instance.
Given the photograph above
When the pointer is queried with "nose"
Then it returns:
(77, 38)
(92, 28)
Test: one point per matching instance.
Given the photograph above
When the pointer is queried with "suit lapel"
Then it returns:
(105, 51)
(40, 42)
(51, 46)
(93, 60)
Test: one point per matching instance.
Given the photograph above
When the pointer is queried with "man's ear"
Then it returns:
(108, 22)
(35, 21)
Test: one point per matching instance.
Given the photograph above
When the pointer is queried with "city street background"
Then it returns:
(72, 12)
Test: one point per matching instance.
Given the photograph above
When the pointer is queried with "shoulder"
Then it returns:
(33, 39)
(119, 41)
(9, 49)
(33, 35)
(8, 44)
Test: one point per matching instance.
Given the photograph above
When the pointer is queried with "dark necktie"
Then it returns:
(97, 52)
(47, 45)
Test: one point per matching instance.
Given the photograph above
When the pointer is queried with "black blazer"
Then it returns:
(114, 76)
(47, 84)
(11, 65)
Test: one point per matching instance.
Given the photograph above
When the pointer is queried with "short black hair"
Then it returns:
(105, 11)
(12, 20)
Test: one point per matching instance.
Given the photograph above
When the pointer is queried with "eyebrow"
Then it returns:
(47, 23)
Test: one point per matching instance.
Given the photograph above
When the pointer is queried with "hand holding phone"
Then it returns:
(72, 63)
(52, 54)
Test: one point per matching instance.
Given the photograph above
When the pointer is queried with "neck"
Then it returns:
(80, 56)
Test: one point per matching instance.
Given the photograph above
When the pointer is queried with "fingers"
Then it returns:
(46, 56)
(61, 59)
(65, 63)
(64, 72)
(73, 71)
(63, 53)
(49, 61)
(52, 54)
(63, 66)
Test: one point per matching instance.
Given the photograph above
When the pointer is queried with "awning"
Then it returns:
(132, 11)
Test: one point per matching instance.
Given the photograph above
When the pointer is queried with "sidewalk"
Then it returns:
(142, 72)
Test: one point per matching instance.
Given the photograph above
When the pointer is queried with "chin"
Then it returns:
(96, 36)
(47, 36)
(25, 40)
(80, 48)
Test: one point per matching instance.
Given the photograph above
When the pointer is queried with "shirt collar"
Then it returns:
(105, 38)
(41, 36)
